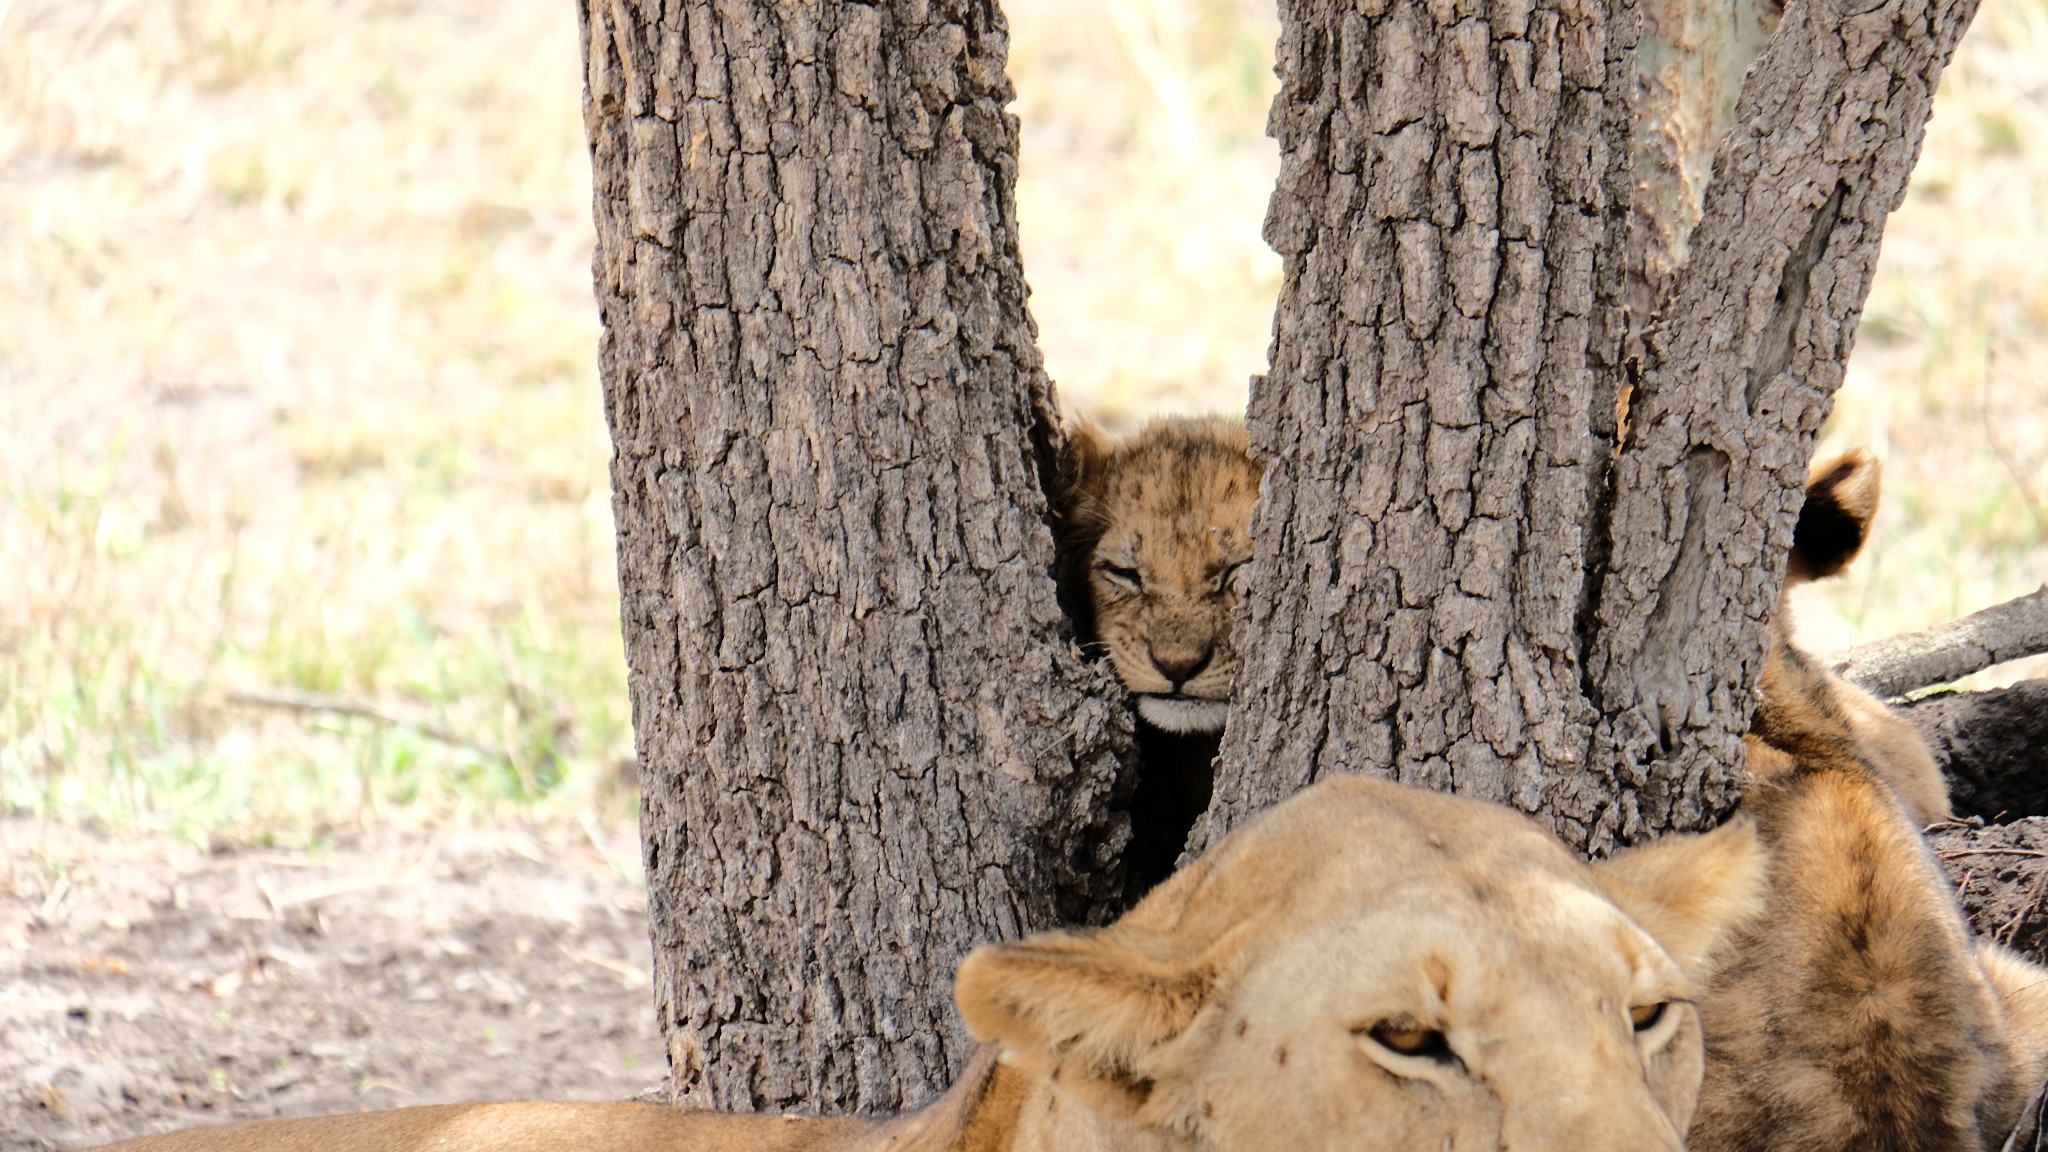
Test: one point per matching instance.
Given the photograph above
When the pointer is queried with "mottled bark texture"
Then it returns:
(1738, 372)
(864, 742)
(1690, 59)
(1509, 557)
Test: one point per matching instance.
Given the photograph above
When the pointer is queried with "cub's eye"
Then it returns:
(1231, 577)
(1646, 1016)
(1407, 1038)
(1120, 574)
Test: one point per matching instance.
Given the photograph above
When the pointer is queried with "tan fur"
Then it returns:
(1686, 890)
(516, 1127)
(1841, 500)
(1154, 531)
(2022, 988)
(1248, 1003)
(1234, 1007)
(1857, 1013)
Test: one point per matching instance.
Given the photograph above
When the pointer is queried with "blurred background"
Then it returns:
(304, 514)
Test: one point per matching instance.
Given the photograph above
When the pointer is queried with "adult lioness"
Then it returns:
(1857, 1013)
(1154, 533)
(1364, 967)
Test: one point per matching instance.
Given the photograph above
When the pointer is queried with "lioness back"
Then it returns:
(1154, 535)
(1841, 501)
(1857, 1012)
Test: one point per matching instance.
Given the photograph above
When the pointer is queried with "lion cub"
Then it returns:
(1857, 1012)
(1154, 536)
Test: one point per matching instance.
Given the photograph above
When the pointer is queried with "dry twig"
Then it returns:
(1953, 650)
(293, 701)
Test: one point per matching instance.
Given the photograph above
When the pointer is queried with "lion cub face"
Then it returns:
(1369, 967)
(1156, 534)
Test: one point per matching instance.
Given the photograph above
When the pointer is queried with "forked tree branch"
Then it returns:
(1951, 651)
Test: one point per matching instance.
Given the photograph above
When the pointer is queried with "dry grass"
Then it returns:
(1949, 383)
(299, 359)
(298, 366)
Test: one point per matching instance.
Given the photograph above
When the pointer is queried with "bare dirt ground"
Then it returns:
(2001, 877)
(147, 985)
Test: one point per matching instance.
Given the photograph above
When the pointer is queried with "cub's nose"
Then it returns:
(1180, 665)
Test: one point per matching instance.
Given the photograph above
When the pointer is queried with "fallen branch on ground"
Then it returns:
(290, 700)
(1953, 650)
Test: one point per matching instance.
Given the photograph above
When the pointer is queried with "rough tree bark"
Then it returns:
(864, 742)
(1510, 558)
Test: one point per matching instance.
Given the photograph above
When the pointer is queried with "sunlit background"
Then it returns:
(303, 505)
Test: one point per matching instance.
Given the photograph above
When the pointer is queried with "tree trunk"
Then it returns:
(1532, 465)
(1506, 556)
(864, 741)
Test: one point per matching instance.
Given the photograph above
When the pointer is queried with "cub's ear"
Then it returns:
(1082, 1006)
(1690, 892)
(1083, 463)
(1841, 500)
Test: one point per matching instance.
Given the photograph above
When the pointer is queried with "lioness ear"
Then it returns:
(1080, 1005)
(1690, 892)
(1841, 500)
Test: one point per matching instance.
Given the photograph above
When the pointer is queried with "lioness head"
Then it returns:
(1370, 967)
(1156, 530)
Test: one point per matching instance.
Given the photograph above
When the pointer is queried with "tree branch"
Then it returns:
(288, 700)
(1953, 650)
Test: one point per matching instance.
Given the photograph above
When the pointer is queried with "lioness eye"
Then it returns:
(1645, 1017)
(1410, 1039)
(1121, 574)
